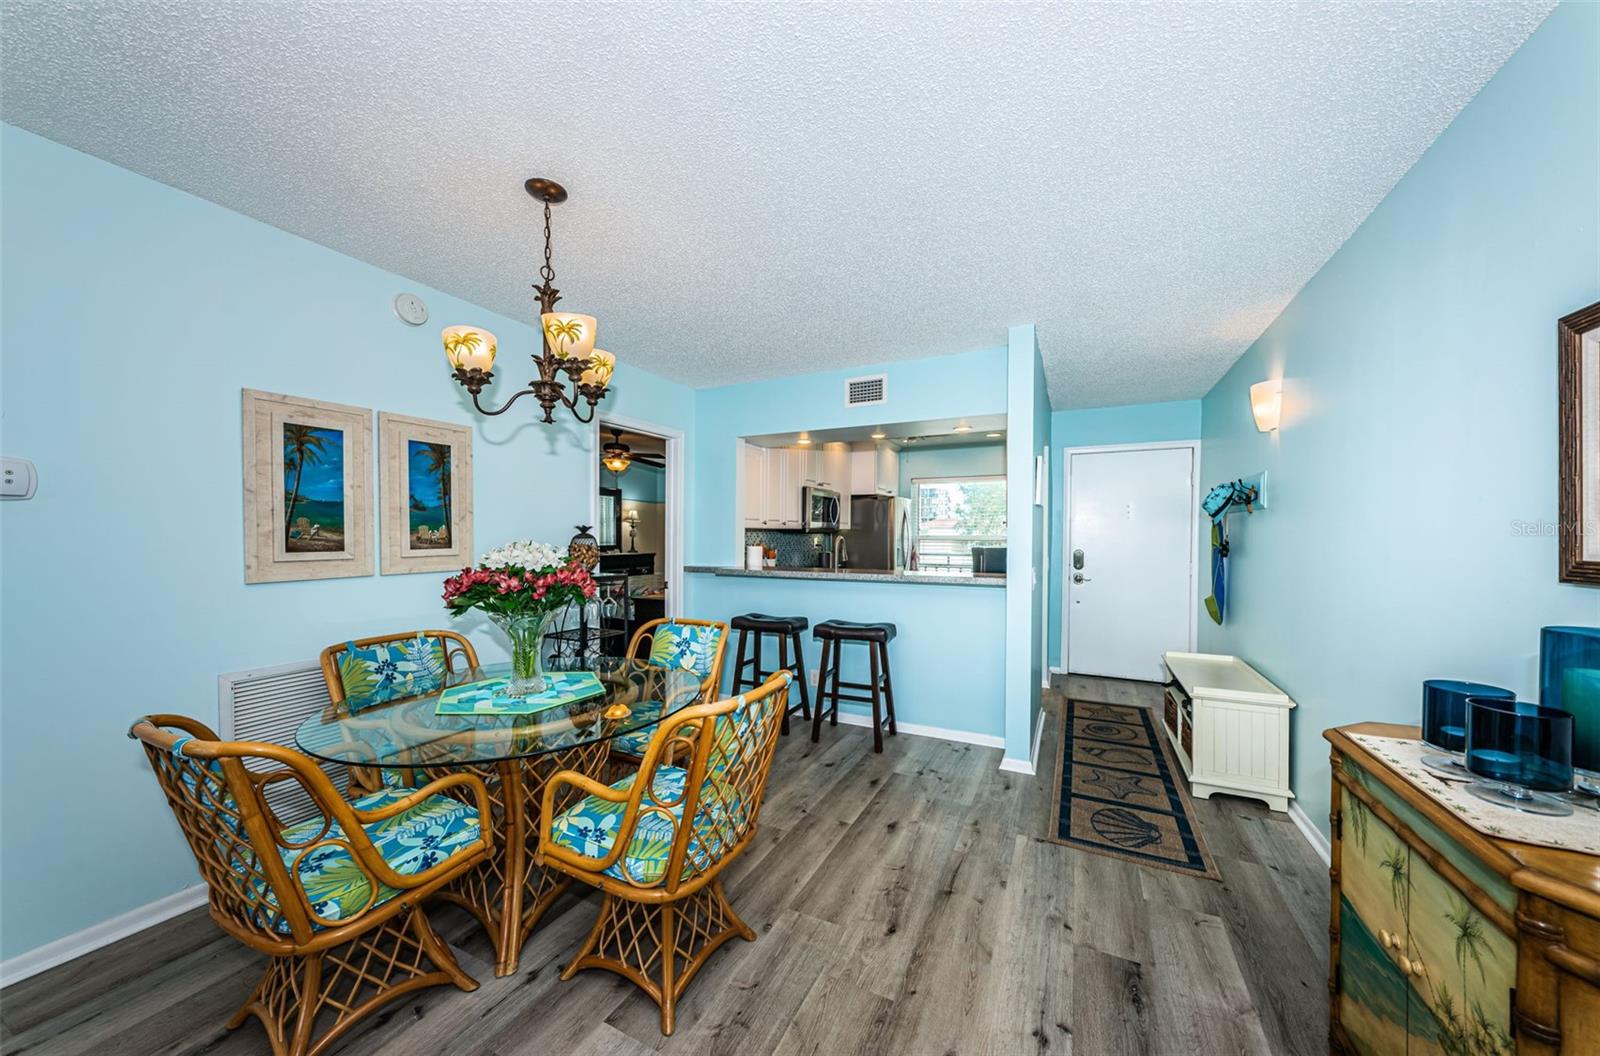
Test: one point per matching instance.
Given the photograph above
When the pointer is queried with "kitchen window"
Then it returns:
(951, 515)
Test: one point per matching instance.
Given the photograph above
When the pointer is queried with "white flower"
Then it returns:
(524, 554)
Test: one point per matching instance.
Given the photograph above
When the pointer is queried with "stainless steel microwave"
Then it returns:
(819, 510)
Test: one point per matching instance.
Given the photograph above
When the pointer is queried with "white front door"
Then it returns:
(1127, 570)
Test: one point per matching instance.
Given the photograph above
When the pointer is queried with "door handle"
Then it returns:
(1079, 577)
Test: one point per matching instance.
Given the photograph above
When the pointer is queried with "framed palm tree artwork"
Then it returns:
(425, 494)
(307, 489)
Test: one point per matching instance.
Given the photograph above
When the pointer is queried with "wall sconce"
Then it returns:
(1266, 402)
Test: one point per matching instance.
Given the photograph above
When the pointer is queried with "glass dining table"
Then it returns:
(516, 755)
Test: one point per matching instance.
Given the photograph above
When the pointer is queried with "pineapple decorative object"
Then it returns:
(584, 550)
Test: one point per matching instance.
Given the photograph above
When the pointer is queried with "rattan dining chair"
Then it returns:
(656, 842)
(693, 645)
(445, 653)
(334, 901)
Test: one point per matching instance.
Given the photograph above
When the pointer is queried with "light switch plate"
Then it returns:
(18, 478)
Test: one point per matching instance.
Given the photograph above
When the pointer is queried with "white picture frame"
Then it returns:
(307, 488)
(415, 457)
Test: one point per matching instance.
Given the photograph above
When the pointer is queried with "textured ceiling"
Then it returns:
(760, 190)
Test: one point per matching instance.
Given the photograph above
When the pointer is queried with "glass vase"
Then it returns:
(526, 631)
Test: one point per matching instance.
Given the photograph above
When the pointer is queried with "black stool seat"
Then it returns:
(879, 689)
(749, 671)
(764, 624)
(845, 631)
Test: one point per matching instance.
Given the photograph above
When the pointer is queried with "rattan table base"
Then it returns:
(510, 893)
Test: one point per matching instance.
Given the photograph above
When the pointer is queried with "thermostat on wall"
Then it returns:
(410, 309)
(18, 478)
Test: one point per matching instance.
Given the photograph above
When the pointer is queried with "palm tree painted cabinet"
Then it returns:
(1446, 941)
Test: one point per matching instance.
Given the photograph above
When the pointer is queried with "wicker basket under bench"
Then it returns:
(1229, 727)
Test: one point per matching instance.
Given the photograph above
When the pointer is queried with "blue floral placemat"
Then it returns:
(489, 696)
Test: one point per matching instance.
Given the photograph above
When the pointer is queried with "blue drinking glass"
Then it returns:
(1569, 679)
(1521, 752)
(1444, 721)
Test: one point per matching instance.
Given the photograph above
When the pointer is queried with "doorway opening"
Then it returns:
(638, 522)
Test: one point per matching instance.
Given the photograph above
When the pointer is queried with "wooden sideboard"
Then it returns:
(1446, 940)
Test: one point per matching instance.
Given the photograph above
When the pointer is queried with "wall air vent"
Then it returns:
(866, 391)
(268, 704)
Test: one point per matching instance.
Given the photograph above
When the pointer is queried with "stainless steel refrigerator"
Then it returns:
(880, 532)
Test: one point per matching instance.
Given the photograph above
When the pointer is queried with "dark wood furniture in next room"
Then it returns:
(1444, 939)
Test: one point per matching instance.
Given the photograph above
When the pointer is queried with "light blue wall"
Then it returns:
(132, 316)
(979, 460)
(1027, 436)
(1144, 423)
(1419, 420)
(929, 618)
(948, 658)
(639, 482)
(972, 383)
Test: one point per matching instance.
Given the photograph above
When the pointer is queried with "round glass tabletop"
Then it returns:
(633, 695)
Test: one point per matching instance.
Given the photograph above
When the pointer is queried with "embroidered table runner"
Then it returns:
(489, 696)
(1579, 831)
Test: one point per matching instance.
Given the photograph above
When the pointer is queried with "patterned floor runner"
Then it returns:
(1120, 795)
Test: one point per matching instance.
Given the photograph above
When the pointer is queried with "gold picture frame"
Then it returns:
(425, 493)
(307, 489)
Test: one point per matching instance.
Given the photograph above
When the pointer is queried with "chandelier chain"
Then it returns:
(547, 273)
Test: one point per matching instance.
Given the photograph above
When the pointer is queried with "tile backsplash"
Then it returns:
(795, 549)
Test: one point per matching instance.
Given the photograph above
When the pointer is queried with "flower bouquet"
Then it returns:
(521, 586)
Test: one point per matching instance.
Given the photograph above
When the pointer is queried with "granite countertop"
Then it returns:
(858, 575)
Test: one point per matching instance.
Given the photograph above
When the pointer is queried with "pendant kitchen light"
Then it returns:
(567, 340)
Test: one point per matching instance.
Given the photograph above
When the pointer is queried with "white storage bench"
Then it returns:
(1229, 727)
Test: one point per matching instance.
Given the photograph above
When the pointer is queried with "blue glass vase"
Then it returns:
(1569, 679)
(1521, 752)
(1444, 721)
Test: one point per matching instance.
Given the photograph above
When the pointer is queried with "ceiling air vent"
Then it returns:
(867, 391)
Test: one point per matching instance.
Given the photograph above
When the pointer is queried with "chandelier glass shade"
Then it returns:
(469, 348)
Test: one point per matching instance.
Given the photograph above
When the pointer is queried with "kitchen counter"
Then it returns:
(858, 575)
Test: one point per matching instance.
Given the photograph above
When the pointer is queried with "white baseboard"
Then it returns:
(1313, 835)
(987, 740)
(1031, 767)
(64, 949)
(1059, 671)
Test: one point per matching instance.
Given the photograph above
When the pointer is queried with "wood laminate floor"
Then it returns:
(904, 903)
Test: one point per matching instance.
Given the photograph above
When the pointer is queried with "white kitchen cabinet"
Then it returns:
(834, 471)
(777, 473)
(785, 469)
(808, 465)
(755, 486)
(875, 471)
(888, 470)
(836, 476)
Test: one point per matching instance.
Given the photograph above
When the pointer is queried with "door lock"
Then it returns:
(1077, 559)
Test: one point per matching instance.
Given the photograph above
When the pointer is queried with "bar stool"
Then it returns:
(788, 629)
(834, 633)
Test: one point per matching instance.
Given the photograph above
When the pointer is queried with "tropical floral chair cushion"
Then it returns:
(590, 828)
(387, 671)
(412, 842)
(685, 645)
(636, 742)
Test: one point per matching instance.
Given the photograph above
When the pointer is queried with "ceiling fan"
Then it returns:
(618, 456)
